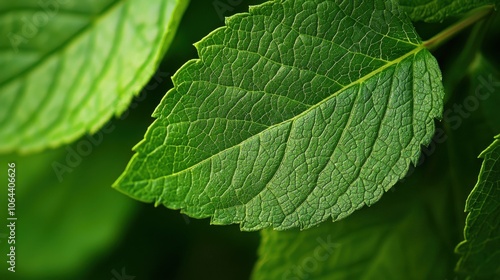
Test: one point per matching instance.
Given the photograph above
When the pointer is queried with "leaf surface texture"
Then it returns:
(480, 251)
(296, 112)
(71, 65)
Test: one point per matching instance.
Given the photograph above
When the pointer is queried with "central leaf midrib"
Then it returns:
(356, 82)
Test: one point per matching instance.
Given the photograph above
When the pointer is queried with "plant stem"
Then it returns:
(451, 31)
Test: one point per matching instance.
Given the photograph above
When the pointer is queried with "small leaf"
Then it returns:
(296, 112)
(438, 10)
(72, 64)
(480, 251)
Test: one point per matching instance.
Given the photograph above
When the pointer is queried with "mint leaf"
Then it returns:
(480, 251)
(72, 65)
(396, 238)
(296, 112)
(438, 10)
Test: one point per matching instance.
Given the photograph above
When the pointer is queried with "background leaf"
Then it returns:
(73, 64)
(287, 119)
(481, 248)
(438, 10)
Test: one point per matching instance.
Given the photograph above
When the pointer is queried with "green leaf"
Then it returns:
(73, 64)
(438, 10)
(480, 251)
(395, 239)
(296, 112)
